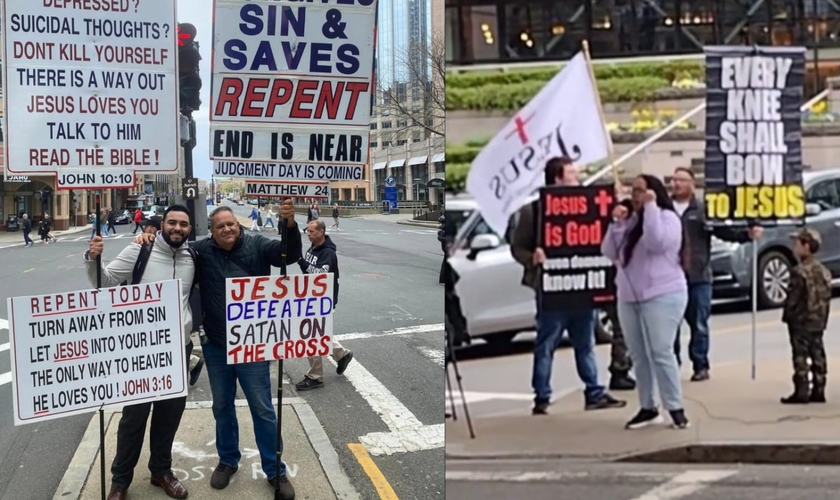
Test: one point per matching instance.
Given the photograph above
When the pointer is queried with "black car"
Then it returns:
(123, 218)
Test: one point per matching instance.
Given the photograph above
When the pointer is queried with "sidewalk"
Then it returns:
(733, 419)
(11, 237)
(311, 461)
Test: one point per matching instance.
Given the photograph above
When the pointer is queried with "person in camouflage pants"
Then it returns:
(806, 311)
(620, 362)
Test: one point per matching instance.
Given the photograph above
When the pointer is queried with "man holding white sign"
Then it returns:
(168, 258)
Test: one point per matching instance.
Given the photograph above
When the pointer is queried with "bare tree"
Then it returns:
(417, 93)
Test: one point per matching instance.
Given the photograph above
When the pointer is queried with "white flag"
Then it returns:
(564, 118)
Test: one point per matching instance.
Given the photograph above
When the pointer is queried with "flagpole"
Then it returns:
(585, 47)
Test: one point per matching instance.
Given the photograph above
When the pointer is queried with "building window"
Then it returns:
(401, 142)
(347, 194)
(373, 145)
(402, 123)
(373, 126)
(386, 124)
(360, 194)
(386, 144)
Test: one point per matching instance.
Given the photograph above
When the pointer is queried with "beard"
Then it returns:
(171, 243)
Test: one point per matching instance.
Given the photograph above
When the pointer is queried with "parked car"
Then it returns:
(154, 211)
(493, 300)
(124, 218)
(731, 262)
(457, 211)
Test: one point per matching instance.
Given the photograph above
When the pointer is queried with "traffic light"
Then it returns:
(189, 78)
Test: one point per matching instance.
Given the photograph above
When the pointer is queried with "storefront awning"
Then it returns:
(380, 165)
(397, 163)
(438, 157)
(418, 160)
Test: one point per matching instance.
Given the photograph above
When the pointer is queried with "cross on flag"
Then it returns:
(563, 119)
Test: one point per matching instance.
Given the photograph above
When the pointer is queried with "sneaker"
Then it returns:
(221, 476)
(343, 362)
(622, 383)
(700, 376)
(287, 491)
(605, 402)
(307, 384)
(540, 408)
(678, 420)
(643, 419)
(195, 372)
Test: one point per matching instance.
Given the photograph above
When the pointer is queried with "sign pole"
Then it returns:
(98, 228)
(585, 47)
(284, 246)
(754, 300)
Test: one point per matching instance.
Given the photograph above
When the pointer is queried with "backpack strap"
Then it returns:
(197, 274)
(140, 265)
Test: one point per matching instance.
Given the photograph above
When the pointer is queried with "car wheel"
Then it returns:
(603, 328)
(774, 272)
(498, 339)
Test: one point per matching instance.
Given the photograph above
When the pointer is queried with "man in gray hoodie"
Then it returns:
(168, 258)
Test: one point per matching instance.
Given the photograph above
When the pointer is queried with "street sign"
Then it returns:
(288, 189)
(190, 188)
(307, 103)
(81, 106)
(279, 171)
(390, 182)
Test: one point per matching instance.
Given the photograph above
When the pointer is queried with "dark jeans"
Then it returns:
(255, 381)
(697, 316)
(581, 327)
(132, 430)
(26, 238)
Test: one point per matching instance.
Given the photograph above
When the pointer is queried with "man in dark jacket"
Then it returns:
(230, 252)
(551, 323)
(321, 258)
(27, 228)
(699, 235)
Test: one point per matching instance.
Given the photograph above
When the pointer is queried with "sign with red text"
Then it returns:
(90, 89)
(277, 317)
(572, 224)
(292, 82)
(287, 189)
(74, 352)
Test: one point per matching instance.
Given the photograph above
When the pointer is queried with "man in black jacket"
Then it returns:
(232, 253)
(699, 277)
(321, 258)
(27, 228)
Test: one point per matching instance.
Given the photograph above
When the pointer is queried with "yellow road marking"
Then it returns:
(379, 482)
(28, 270)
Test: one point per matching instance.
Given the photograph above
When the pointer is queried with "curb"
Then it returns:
(80, 467)
(429, 225)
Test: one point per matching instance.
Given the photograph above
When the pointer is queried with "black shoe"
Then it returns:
(540, 408)
(343, 362)
(817, 396)
(797, 398)
(678, 420)
(622, 382)
(700, 375)
(643, 419)
(196, 372)
(221, 476)
(287, 491)
(307, 384)
(605, 402)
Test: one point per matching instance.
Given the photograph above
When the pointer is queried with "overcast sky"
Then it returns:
(200, 14)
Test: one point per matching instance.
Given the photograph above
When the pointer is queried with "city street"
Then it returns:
(390, 314)
(546, 480)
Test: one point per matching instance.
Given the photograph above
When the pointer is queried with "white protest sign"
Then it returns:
(288, 189)
(90, 90)
(74, 352)
(288, 171)
(307, 67)
(277, 317)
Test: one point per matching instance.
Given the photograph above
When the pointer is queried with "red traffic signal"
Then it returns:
(186, 34)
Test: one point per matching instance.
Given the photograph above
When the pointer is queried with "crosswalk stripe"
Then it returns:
(435, 355)
(686, 484)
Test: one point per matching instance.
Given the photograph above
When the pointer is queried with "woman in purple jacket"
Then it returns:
(647, 243)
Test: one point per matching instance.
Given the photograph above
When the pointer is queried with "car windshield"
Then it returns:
(454, 220)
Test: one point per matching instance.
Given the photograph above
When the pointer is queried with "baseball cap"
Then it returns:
(810, 236)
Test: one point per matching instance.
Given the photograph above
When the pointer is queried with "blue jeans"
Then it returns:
(581, 328)
(255, 380)
(649, 329)
(697, 316)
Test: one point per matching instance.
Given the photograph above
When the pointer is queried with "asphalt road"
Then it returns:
(497, 379)
(390, 314)
(553, 480)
